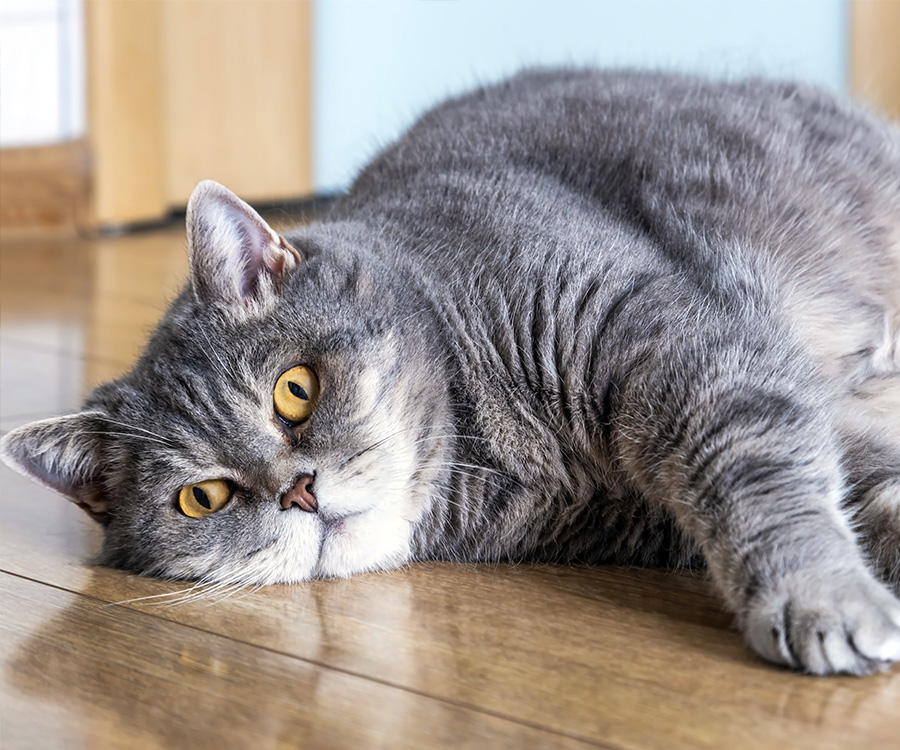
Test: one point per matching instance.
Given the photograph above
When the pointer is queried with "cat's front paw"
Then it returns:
(848, 623)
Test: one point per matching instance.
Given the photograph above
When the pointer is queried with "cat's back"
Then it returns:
(774, 184)
(614, 135)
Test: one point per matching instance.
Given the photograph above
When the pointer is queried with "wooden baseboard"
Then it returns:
(45, 188)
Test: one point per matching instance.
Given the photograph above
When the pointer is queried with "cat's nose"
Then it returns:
(301, 495)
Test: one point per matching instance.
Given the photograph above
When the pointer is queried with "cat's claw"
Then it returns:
(846, 624)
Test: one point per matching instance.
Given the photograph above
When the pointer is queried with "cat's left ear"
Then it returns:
(236, 257)
(64, 455)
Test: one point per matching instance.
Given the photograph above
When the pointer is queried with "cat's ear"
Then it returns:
(62, 454)
(235, 256)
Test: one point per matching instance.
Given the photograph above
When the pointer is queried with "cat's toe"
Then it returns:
(847, 624)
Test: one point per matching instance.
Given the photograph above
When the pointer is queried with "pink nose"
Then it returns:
(301, 495)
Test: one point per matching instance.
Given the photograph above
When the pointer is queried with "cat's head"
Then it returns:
(286, 420)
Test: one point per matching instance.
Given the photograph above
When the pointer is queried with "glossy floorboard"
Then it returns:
(430, 656)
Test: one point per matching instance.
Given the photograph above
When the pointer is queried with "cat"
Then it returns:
(573, 317)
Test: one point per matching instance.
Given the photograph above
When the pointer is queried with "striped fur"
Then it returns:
(574, 317)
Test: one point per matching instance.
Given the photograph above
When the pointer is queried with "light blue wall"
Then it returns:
(379, 63)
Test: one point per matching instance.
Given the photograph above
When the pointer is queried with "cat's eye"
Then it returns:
(204, 498)
(296, 393)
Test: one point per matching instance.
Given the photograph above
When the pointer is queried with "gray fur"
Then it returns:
(574, 317)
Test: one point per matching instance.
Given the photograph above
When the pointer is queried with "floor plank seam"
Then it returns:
(322, 665)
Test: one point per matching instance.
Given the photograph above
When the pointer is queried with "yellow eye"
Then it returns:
(204, 498)
(296, 393)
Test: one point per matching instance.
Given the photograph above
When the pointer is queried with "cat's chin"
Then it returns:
(363, 542)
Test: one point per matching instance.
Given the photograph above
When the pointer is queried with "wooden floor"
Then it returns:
(433, 656)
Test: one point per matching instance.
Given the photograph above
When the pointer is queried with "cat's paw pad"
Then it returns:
(821, 625)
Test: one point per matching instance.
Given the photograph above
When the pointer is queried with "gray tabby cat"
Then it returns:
(575, 317)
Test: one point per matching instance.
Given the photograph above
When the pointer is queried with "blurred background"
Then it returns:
(111, 110)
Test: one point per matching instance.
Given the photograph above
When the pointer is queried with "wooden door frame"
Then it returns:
(875, 53)
(137, 91)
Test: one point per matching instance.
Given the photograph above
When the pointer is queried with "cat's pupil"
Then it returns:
(297, 390)
(201, 497)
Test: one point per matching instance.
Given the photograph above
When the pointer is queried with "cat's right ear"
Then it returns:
(62, 454)
(236, 257)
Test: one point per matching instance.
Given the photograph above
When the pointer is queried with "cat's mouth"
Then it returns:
(335, 522)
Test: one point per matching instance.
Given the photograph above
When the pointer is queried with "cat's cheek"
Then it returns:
(195, 568)
(369, 541)
(285, 551)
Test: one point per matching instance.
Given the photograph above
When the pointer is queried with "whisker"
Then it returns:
(236, 588)
(468, 466)
(186, 594)
(148, 597)
(131, 435)
(203, 591)
(375, 445)
(132, 427)
(448, 436)
(138, 432)
(382, 441)
(211, 352)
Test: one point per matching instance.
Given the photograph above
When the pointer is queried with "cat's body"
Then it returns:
(574, 317)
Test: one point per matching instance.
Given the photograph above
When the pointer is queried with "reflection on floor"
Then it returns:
(432, 656)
